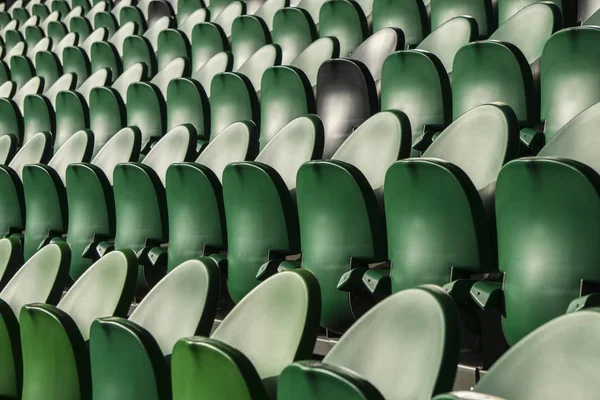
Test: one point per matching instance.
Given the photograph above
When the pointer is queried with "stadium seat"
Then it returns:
(134, 15)
(220, 62)
(44, 191)
(345, 21)
(90, 196)
(194, 193)
(408, 15)
(346, 98)
(172, 44)
(77, 59)
(131, 356)
(259, 197)
(293, 30)
(568, 283)
(108, 54)
(405, 347)
(416, 83)
(11, 110)
(41, 279)
(481, 10)
(207, 40)
(275, 324)
(248, 34)
(530, 370)
(54, 339)
(197, 17)
(158, 9)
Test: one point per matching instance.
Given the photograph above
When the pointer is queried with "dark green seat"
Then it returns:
(41, 280)
(345, 21)
(33, 34)
(177, 68)
(207, 40)
(108, 54)
(345, 99)
(408, 15)
(152, 33)
(69, 40)
(314, 55)
(248, 34)
(90, 196)
(21, 70)
(72, 110)
(286, 94)
(77, 59)
(344, 229)
(131, 356)
(481, 10)
(187, 103)
(48, 67)
(405, 348)
(220, 62)
(293, 30)
(137, 49)
(416, 83)
(11, 111)
(54, 339)
(146, 110)
(107, 21)
(140, 207)
(530, 370)
(449, 38)
(172, 44)
(44, 191)
(273, 326)
(226, 17)
(508, 8)
(194, 195)
(8, 148)
(259, 198)
(134, 15)
(81, 27)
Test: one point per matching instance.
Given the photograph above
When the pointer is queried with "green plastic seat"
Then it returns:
(132, 14)
(273, 219)
(194, 195)
(226, 17)
(21, 70)
(72, 110)
(33, 34)
(44, 191)
(12, 38)
(568, 62)
(172, 44)
(519, 30)
(90, 196)
(11, 111)
(41, 280)
(207, 40)
(137, 49)
(481, 10)
(449, 38)
(146, 110)
(346, 98)
(314, 55)
(345, 21)
(416, 83)
(344, 229)
(56, 31)
(152, 33)
(177, 68)
(408, 15)
(187, 103)
(293, 30)
(405, 348)
(118, 7)
(486, 72)
(107, 21)
(8, 149)
(286, 94)
(77, 59)
(140, 207)
(186, 26)
(54, 339)
(248, 34)
(108, 54)
(253, 344)
(76, 11)
(531, 361)
(62, 7)
(254, 68)
(18, 50)
(69, 40)
(182, 304)
(232, 99)
(220, 62)
(81, 27)
(185, 8)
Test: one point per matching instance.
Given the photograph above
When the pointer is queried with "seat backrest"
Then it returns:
(65, 82)
(408, 15)
(78, 148)
(448, 38)
(182, 304)
(481, 10)
(69, 40)
(154, 31)
(293, 31)
(577, 140)
(345, 99)
(407, 346)
(479, 152)
(97, 79)
(248, 34)
(146, 110)
(298, 141)
(121, 34)
(37, 149)
(33, 86)
(171, 45)
(41, 279)
(235, 143)
(175, 146)
(532, 362)
(530, 28)
(207, 40)
(136, 73)
(43, 45)
(568, 62)
(375, 49)
(124, 146)
(314, 55)
(220, 62)
(384, 137)
(98, 35)
(225, 18)
(177, 68)
(195, 18)
(416, 83)
(345, 21)
(17, 50)
(104, 290)
(187, 103)
(312, 7)
(272, 333)
(489, 71)
(285, 94)
(265, 57)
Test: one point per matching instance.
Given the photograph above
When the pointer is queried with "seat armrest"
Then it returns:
(459, 289)
(271, 267)
(313, 379)
(351, 281)
(465, 395)
(488, 295)
(587, 301)
(430, 133)
(378, 281)
(532, 139)
(98, 248)
(289, 265)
